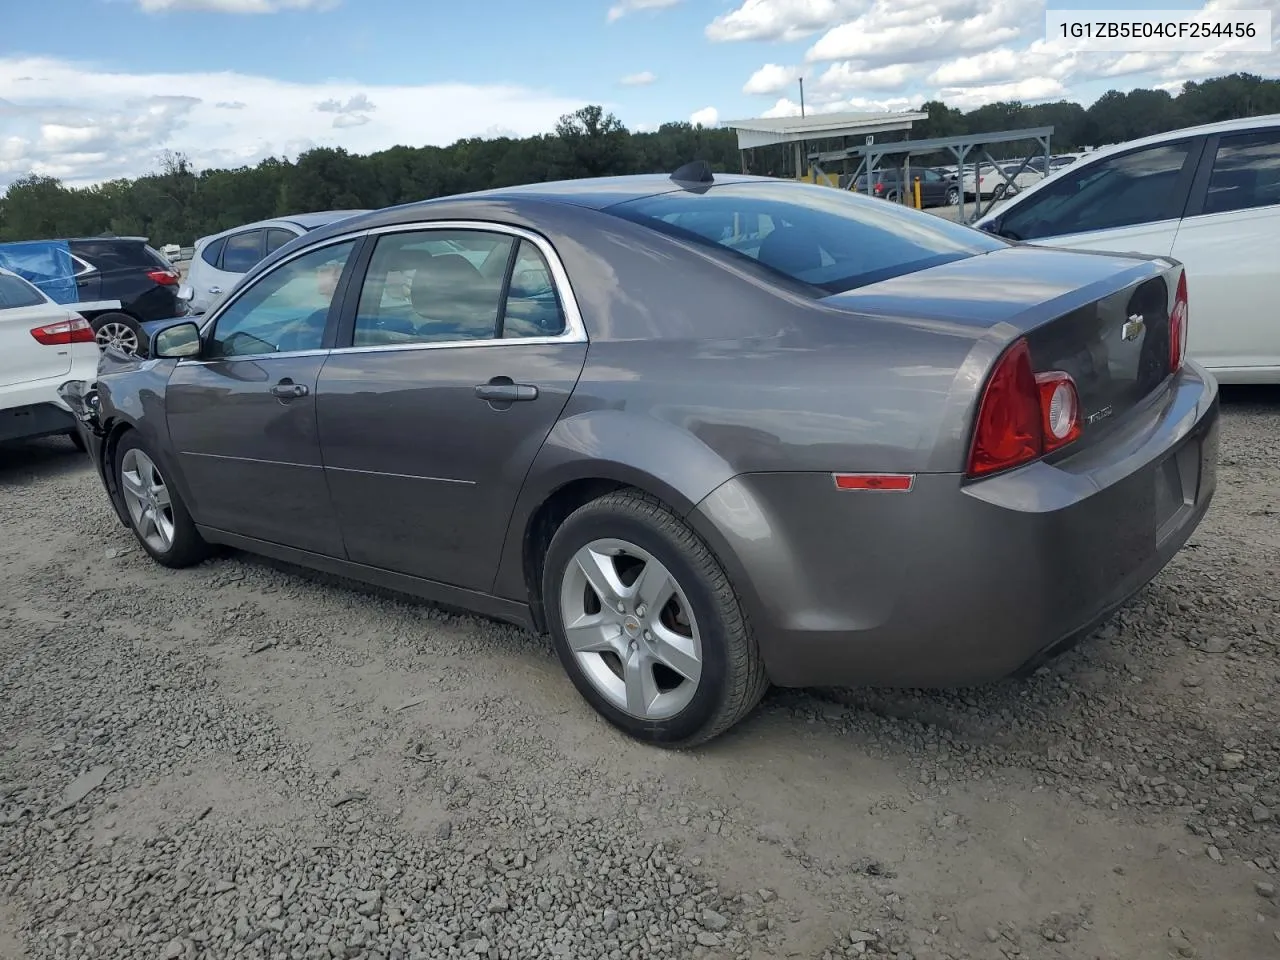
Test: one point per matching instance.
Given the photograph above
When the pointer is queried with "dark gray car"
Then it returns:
(708, 435)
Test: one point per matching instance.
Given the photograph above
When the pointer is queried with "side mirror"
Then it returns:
(177, 341)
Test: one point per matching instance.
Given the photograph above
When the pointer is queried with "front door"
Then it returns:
(1228, 242)
(463, 351)
(242, 417)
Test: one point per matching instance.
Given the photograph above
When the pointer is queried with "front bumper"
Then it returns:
(953, 584)
(81, 398)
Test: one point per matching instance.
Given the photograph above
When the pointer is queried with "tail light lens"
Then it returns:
(166, 278)
(1178, 326)
(64, 332)
(879, 188)
(1022, 416)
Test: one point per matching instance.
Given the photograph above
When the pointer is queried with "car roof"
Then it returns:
(307, 221)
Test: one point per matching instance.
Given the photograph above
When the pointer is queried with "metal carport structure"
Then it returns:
(870, 154)
(772, 131)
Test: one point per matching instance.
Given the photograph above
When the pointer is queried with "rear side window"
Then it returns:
(16, 292)
(242, 251)
(825, 238)
(212, 252)
(277, 238)
(1141, 186)
(109, 254)
(1246, 172)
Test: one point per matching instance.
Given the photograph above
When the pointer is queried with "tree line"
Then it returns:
(178, 203)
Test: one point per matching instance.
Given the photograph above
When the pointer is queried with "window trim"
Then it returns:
(338, 302)
(85, 267)
(1183, 184)
(574, 329)
(1204, 173)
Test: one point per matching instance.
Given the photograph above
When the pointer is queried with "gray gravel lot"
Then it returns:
(244, 760)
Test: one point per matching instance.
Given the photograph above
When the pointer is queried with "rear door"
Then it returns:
(459, 357)
(23, 358)
(1229, 242)
(1129, 202)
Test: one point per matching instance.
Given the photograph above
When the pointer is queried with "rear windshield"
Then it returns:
(826, 238)
(16, 292)
(106, 254)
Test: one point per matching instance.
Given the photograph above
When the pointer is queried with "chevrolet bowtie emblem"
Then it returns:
(1133, 328)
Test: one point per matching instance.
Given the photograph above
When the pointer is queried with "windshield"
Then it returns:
(826, 238)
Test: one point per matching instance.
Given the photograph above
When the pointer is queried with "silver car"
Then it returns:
(221, 259)
(710, 433)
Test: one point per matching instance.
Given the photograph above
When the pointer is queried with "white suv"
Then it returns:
(42, 345)
(1208, 196)
(221, 259)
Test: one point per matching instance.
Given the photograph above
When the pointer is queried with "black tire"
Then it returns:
(123, 320)
(733, 678)
(892, 196)
(187, 547)
(75, 438)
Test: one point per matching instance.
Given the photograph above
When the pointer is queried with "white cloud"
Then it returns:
(624, 7)
(892, 31)
(786, 107)
(707, 117)
(85, 124)
(850, 76)
(771, 78)
(234, 6)
(1030, 89)
(785, 20)
(641, 79)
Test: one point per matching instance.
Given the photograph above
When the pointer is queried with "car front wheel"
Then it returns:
(157, 515)
(647, 625)
(953, 197)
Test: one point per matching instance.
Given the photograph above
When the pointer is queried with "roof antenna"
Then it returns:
(698, 171)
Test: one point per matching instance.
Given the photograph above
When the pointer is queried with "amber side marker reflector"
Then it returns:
(897, 482)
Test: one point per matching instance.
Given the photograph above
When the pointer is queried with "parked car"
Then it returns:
(936, 189)
(1208, 196)
(43, 344)
(219, 260)
(116, 283)
(816, 439)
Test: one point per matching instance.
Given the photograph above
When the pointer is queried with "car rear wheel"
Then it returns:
(647, 625)
(157, 515)
(121, 331)
(953, 197)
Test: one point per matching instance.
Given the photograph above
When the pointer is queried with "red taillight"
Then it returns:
(167, 278)
(1178, 326)
(1022, 416)
(879, 188)
(64, 332)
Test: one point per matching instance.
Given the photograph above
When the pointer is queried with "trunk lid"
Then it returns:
(23, 359)
(1101, 318)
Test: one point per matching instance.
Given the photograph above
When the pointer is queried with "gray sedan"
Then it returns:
(708, 432)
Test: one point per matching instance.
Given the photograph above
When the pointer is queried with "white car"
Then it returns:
(1208, 196)
(221, 259)
(43, 344)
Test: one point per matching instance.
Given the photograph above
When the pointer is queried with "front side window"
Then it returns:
(1246, 172)
(433, 286)
(242, 251)
(1121, 191)
(286, 310)
(16, 292)
(829, 240)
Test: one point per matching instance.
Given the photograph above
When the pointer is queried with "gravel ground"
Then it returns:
(245, 760)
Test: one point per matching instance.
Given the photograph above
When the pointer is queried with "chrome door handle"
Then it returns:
(288, 390)
(215, 290)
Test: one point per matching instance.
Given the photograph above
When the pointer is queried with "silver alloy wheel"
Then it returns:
(147, 497)
(631, 629)
(118, 335)
(953, 197)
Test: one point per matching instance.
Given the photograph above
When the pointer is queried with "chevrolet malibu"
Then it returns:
(709, 432)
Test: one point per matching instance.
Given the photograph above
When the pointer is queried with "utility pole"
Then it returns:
(802, 96)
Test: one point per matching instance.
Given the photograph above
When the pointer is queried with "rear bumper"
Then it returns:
(34, 420)
(953, 584)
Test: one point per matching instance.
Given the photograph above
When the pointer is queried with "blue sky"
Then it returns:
(116, 82)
